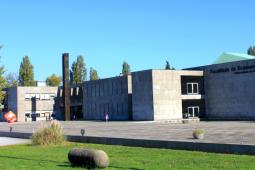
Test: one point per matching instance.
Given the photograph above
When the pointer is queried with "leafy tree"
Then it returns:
(26, 73)
(125, 68)
(82, 70)
(93, 74)
(12, 80)
(2, 85)
(251, 50)
(53, 80)
(78, 72)
(167, 66)
(74, 73)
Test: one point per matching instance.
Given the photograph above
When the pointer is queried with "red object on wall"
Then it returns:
(10, 117)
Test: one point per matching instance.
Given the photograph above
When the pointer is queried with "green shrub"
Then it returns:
(49, 135)
(198, 131)
(198, 134)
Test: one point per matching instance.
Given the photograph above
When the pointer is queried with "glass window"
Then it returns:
(196, 111)
(37, 96)
(190, 111)
(193, 111)
(27, 96)
(195, 88)
(189, 88)
(192, 88)
(27, 114)
(42, 97)
(47, 96)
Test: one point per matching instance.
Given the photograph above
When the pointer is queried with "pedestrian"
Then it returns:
(106, 117)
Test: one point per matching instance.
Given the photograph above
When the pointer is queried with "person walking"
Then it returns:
(106, 117)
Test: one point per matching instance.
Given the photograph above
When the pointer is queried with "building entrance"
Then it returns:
(193, 108)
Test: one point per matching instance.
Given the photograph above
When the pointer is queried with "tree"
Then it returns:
(78, 72)
(251, 50)
(125, 68)
(93, 74)
(53, 80)
(167, 66)
(12, 79)
(74, 73)
(2, 84)
(26, 73)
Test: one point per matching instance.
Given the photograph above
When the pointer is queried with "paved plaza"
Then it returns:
(12, 141)
(216, 132)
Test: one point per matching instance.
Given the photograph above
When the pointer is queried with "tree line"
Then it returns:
(78, 74)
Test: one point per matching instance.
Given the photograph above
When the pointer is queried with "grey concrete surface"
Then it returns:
(158, 94)
(230, 90)
(110, 95)
(12, 141)
(241, 133)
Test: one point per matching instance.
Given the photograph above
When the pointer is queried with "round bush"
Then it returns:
(89, 158)
(198, 134)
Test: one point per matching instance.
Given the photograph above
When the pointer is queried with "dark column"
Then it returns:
(66, 86)
(33, 100)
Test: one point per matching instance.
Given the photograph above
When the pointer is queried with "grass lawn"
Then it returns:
(28, 157)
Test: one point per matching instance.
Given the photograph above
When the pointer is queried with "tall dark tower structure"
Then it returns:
(66, 86)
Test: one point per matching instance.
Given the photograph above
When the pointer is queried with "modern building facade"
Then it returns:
(230, 90)
(110, 96)
(32, 103)
(221, 91)
(167, 94)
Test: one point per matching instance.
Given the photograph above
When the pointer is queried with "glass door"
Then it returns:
(193, 111)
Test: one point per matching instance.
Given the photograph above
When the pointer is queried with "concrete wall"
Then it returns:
(142, 97)
(13, 100)
(76, 110)
(157, 94)
(230, 90)
(111, 95)
(167, 95)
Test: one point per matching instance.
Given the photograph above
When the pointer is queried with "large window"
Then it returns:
(30, 96)
(193, 111)
(192, 88)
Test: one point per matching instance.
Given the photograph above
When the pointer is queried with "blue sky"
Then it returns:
(144, 33)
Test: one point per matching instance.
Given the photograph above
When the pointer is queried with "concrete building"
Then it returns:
(167, 95)
(230, 90)
(224, 90)
(110, 96)
(76, 105)
(33, 103)
(42, 102)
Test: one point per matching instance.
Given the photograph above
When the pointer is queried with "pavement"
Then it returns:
(223, 132)
(12, 141)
